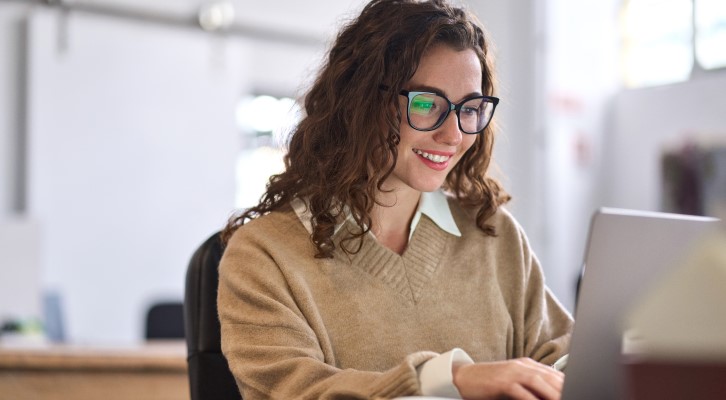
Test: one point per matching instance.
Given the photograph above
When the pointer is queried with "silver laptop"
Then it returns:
(627, 252)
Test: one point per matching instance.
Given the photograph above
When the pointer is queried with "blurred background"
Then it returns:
(130, 130)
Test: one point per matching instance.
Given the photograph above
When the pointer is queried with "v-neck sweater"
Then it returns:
(358, 325)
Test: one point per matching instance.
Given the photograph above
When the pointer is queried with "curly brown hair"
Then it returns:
(344, 148)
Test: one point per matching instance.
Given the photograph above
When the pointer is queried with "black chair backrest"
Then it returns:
(209, 374)
(165, 321)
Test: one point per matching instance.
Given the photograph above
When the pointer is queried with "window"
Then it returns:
(657, 41)
(710, 22)
(661, 39)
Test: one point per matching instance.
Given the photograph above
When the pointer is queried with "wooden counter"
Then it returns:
(148, 371)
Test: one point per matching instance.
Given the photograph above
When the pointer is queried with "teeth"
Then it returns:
(432, 157)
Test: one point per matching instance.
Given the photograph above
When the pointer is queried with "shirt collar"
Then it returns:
(432, 204)
(435, 206)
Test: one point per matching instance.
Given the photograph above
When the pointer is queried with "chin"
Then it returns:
(428, 186)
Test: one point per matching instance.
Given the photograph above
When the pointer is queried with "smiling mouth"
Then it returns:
(432, 157)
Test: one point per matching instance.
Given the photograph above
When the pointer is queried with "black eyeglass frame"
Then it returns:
(410, 94)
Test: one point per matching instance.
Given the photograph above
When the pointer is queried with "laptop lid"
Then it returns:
(627, 252)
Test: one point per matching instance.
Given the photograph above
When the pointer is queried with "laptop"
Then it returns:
(627, 252)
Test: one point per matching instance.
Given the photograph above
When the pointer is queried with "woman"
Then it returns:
(380, 263)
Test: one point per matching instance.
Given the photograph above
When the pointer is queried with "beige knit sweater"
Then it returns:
(294, 326)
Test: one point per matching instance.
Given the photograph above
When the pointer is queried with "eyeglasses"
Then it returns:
(427, 111)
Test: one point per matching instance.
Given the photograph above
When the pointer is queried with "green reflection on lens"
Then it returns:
(421, 105)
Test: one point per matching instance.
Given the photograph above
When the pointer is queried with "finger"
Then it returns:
(538, 365)
(544, 389)
(552, 375)
(554, 378)
(521, 393)
(542, 380)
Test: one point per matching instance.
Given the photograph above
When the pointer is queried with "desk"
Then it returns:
(150, 371)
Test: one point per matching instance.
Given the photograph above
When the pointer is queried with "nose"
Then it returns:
(449, 132)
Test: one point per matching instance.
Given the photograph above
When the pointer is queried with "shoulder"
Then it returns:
(507, 252)
(504, 223)
(276, 222)
(272, 233)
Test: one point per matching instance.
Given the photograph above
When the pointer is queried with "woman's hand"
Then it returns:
(522, 378)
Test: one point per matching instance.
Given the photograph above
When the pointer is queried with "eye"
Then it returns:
(472, 108)
(469, 111)
(422, 105)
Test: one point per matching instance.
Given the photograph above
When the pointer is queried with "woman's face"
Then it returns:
(425, 158)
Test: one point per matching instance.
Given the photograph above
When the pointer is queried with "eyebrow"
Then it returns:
(424, 88)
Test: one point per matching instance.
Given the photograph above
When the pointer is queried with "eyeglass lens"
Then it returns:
(427, 111)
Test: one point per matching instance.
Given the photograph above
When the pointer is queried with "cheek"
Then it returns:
(467, 141)
(407, 135)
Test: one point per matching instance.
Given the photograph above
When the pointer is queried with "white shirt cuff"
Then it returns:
(436, 375)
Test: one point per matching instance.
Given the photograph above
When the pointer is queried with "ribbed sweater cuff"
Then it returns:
(403, 381)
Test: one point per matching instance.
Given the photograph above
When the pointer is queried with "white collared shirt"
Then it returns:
(433, 204)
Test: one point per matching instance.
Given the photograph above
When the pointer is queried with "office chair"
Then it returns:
(209, 374)
(165, 321)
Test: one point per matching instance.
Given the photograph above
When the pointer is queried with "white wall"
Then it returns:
(511, 26)
(130, 152)
(580, 78)
(119, 140)
(20, 273)
(19, 264)
(646, 121)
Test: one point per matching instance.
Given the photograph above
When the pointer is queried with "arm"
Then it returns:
(548, 326)
(531, 377)
(541, 329)
(542, 326)
(521, 378)
(271, 338)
